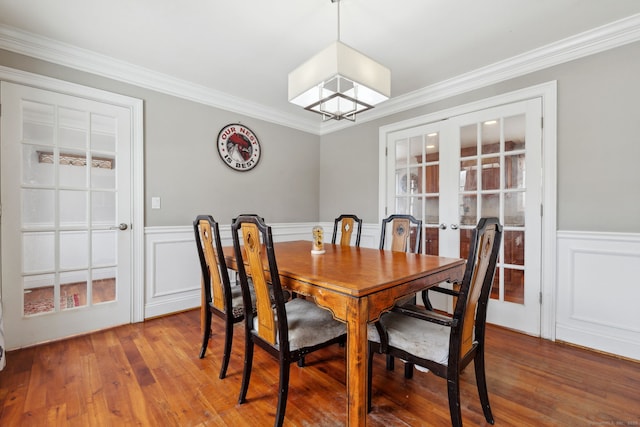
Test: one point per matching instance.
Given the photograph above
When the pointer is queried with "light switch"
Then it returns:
(155, 203)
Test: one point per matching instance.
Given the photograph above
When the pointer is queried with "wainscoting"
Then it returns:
(598, 280)
(171, 265)
(598, 277)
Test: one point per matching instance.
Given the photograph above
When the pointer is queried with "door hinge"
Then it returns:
(540, 298)
(386, 151)
(541, 122)
(541, 210)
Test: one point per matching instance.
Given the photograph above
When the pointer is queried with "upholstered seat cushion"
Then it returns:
(236, 300)
(418, 337)
(238, 305)
(309, 324)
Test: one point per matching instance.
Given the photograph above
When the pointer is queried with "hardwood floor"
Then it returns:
(149, 374)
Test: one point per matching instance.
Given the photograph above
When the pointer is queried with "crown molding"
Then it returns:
(615, 34)
(599, 39)
(50, 50)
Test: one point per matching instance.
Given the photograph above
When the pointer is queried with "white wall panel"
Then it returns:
(598, 291)
(172, 270)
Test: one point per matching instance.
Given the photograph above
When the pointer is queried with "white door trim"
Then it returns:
(548, 93)
(135, 106)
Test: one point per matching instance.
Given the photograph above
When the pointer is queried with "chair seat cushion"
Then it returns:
(236, 301)
(420, 338)
(309, 324)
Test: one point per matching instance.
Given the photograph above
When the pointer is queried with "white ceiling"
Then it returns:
(244, 49)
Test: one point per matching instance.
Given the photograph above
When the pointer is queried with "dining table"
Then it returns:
(357, 285)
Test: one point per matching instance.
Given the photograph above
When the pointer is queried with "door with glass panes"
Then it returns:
(66, 215)
(451, 173)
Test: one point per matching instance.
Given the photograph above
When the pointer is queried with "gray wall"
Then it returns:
(182, 165)
(598, 145)
(305, 178)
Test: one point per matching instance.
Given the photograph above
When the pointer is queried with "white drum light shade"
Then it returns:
(339, 82)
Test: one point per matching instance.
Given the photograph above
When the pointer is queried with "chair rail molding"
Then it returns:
(598, 288)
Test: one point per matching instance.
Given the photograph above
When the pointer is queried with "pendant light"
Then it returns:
(339, 82)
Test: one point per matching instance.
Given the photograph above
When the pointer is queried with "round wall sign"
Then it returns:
(238, 147)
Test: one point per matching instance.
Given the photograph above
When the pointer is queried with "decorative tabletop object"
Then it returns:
(238, 147)
(318, 240)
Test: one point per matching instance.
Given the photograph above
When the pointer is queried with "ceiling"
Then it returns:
(241, 51)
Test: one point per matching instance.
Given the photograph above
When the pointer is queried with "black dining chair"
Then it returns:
(406, 233)
(219, 297)
(288, 330)
(406, 236)
(443, 344)
(346, 224)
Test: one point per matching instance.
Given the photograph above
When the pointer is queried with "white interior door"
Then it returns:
(66, 215)
(486, 163)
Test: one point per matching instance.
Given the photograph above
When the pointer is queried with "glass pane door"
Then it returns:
(68, 196)
(65, 191)
(492, 183)
(451, 173)
(416, 181)
(499, 170)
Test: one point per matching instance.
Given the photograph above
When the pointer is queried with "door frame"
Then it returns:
(135, 107)
(548, 94)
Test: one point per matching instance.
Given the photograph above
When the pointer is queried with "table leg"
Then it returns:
(357, 347)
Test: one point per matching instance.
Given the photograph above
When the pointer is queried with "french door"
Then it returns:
(486, 163)
(66, 215)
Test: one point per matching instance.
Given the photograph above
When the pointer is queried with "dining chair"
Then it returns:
(401, 241)
(288, 330)
(237, 277)
(406, 233)
(219, 297)
(287, 294)
(404, 229)
(443, 344)
(346, 224)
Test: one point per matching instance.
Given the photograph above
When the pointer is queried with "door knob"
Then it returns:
(122, 226)
(443, 226)
(454, 226)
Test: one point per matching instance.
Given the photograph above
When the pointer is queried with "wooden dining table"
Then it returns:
(357, 285)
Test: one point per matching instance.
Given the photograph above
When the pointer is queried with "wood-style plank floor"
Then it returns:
(149, 374)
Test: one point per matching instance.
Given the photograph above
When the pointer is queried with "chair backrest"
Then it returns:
(234, 219)
(215, 277)
(401, 225)
(346, 223)
(470, 311)
(257, 239)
